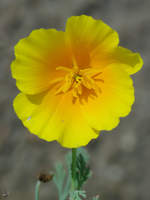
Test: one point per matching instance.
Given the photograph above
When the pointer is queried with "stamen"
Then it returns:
(57, 80)
(98, 79)
(75, 80)
(64, 69)
(97, 74)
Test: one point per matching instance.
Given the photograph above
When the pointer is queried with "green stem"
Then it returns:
(73, 168)
(37, 187)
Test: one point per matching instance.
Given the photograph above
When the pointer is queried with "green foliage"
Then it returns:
(37, 190)
(82, 171)
(84, 154)
(79, 151)
(65, 182)
(77, 195)
(62, 181)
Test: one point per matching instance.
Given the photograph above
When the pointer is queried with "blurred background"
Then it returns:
(120, 160)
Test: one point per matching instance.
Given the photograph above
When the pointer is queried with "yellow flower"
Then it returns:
(75, 83)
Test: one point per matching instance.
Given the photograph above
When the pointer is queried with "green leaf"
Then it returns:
(59, 178)
(84, 154)
(77, 195)
(83, 171)
(62, 181)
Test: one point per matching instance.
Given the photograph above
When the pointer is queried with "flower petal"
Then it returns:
(37, 57)
(86, 35)
(115, 101)
(35, 110)
(66, 123)
(132, 61)
(49, 118)
(129, 61)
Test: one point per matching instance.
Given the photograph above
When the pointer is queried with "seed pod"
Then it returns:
(44, 177)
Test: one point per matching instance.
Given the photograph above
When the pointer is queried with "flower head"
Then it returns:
(75, 83)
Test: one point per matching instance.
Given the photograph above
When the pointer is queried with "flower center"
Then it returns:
(77, 81)
(78, 78)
